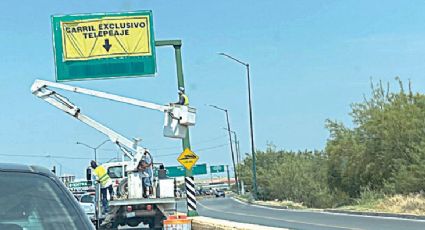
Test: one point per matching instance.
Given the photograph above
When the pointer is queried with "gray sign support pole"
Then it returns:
(98, 207)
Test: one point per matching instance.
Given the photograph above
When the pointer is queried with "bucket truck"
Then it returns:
(131, 208)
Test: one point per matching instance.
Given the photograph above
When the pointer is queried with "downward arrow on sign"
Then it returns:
(107, 46)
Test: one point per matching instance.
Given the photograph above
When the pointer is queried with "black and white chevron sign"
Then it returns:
(190, 193)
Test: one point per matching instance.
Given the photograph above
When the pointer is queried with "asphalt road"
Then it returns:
(229, 209)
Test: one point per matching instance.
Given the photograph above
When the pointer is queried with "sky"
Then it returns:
(309, 61)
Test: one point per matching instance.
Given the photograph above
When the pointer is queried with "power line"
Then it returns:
(89, 158)
(197, 143)
(196, 150)
(48, 156)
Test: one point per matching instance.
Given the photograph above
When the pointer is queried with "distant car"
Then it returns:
(220, 193)
(33, 198)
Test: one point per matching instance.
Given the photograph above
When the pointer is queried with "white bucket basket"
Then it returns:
(177, 119)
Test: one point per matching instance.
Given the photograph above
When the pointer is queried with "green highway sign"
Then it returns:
(199, 169)
(79, 184)
(108, 45)
(216, 168)
(176, 171)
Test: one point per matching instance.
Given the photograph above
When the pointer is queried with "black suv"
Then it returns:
(32, 197)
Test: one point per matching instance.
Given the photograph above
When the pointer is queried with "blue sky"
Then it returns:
(309, 61)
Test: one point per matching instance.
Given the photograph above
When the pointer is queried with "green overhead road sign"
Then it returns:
(176, 171)
(79, 184)
(216, 168)
(109, 45)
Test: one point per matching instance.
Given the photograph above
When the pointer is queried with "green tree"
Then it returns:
(384, 149)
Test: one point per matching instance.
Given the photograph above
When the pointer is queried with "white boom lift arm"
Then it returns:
(177, 118)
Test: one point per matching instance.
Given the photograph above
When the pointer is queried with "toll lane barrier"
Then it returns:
(206, 223)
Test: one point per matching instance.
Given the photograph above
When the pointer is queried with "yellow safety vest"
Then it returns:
(186, 99)
(102, 176)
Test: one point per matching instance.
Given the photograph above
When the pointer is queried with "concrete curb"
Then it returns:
(382, 214)
(264, 205)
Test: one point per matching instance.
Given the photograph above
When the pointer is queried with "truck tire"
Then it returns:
(122, 187)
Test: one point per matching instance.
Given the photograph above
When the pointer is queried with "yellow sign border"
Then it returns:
(64, 33)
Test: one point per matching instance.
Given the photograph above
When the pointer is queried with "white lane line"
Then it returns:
(271, 218)
(329, 213)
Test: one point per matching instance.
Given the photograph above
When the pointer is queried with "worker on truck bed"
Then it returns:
(145, 166)
(105, 182)
(183, 99)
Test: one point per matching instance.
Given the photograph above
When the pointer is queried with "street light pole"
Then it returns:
(254, 169)
(231, 144)
(236, 146)
(93, 148)
(238, 156)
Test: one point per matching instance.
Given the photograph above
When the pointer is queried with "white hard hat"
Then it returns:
(181, 89)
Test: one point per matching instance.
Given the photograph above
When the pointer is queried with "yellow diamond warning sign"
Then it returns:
(106, 37)
(188, 158)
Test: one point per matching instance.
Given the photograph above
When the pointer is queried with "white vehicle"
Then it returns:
(131, 209)
(87, 202)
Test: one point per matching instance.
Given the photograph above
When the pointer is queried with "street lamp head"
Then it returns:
(216, 107)
(234, 59)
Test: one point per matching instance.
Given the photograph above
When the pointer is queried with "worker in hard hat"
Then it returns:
(183, 99)
(106, 184)
(145, 166)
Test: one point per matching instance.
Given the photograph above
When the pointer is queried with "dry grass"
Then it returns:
(401, 204)
(411, 204)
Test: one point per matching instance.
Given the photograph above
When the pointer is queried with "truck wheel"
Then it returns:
(122, 187)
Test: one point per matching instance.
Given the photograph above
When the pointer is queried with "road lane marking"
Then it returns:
(272, 218)
(330, 213)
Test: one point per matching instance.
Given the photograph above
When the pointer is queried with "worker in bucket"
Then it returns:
(183, 99)
(145, 166)
(106, 184)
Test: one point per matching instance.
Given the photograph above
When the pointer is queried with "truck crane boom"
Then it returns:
(176, 120)
(39, 84)
(41, 89)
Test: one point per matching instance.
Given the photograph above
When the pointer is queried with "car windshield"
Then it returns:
(33, 201)
(87, 199)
